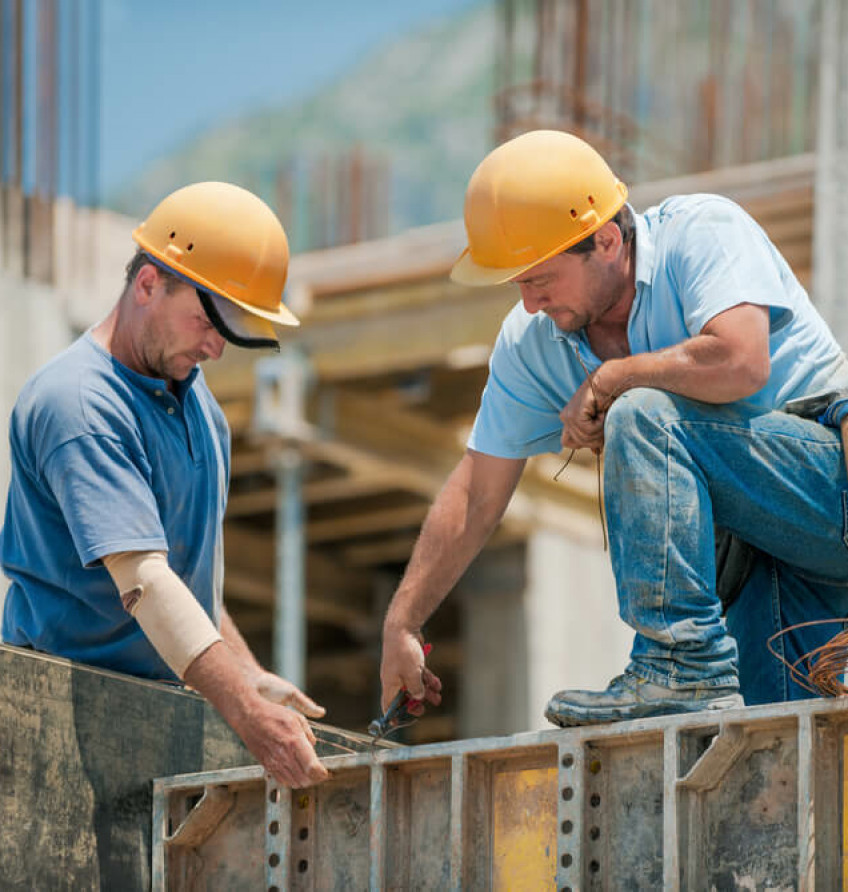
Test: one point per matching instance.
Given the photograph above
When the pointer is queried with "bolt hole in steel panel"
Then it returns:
(623, 814)
(755, 801)
(335, 852)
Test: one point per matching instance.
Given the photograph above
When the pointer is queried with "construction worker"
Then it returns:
(120, 465)
(668, 340)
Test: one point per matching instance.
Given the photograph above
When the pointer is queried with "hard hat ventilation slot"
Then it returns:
(574, 213)
(172, 235)
(591, 199)
(189, 246)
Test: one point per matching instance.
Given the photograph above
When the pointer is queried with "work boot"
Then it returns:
(630, 697)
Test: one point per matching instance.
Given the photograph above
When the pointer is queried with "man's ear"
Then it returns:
(144, 283)
(608, 238)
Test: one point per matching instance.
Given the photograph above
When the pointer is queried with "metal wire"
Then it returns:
(597, 455)
(821, 670)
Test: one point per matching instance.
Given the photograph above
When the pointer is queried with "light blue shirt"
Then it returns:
(105, 460)
(696, 256)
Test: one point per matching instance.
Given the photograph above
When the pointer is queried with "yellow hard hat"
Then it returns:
(228, 243)
(530, 199)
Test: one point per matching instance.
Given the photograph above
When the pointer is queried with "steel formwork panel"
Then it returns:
(749, 798)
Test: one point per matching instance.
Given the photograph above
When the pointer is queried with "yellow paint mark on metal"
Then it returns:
(524, 847)
(845, 813)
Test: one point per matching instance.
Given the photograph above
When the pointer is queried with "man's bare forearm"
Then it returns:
(457, 526)
(728, 361)
(237, 644)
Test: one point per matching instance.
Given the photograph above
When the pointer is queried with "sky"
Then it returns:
(171, 69)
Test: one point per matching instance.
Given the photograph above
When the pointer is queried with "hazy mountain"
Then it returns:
(423, 105)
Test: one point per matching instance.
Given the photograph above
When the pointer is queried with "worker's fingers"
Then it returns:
(304, 724)
(278, 690)
(281, 773)
(309, 764)
(401, 667)
(432, 687)
(310, 734)
(306, 705)
(296, 764)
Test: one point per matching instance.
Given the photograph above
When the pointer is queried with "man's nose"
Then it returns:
(532, 300)
(214, 345)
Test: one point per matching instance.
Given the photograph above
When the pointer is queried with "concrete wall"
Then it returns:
(33, 327)
(574, 636)
(537, 619)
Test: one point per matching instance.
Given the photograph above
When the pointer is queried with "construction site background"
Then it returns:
(340, 445)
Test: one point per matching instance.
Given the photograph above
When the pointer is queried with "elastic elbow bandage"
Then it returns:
(168, 613)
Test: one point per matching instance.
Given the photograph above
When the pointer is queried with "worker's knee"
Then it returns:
(637, 412)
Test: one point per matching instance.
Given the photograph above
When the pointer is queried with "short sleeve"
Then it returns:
(519, 412)
(720, 259)
(105, 497)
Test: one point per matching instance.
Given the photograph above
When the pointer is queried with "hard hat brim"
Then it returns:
(235, 325)
(466, 272)
(282, 315)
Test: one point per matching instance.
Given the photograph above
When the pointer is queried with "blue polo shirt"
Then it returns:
(696, 256)
(106, 460)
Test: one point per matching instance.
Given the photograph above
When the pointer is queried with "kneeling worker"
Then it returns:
(120, 466)
(673, 340)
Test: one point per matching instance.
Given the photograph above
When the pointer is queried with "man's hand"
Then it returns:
(278, 690)
(403, 666)
(282, 741)
(250, 700)
(583, 420)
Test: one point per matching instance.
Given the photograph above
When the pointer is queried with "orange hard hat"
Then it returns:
(530, 199)
(228, 243)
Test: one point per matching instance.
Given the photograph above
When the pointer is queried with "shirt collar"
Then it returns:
(644, 250)
(146, 382)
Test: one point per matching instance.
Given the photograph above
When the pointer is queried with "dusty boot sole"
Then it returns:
(574, 715)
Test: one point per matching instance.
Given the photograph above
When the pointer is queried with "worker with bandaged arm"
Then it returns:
(112, 539)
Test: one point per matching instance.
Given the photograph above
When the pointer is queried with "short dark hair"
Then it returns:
(138, 261)
(623, 220)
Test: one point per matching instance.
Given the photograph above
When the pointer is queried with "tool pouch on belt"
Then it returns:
(734, 563)
(814, 407)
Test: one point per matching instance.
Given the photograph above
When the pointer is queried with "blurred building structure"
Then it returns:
(663, 88)
(392, 357)
(334, 199)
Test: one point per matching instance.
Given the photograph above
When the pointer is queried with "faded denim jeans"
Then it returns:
(674, 468)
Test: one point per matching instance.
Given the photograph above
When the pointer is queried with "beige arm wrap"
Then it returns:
(168, 613)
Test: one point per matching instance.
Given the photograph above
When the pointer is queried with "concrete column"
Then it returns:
(493, 680)
(830, 258)
(574, 636)
(279, 412)
(289, 643)
(537, 618)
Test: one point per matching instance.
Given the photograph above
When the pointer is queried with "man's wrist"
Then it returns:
(611, 379)
(397, 624)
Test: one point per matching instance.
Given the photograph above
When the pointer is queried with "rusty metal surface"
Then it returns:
(79, 748)
(663, 88)
(748, 799)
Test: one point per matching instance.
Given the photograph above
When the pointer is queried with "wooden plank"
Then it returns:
(366, 523)
(251, 552)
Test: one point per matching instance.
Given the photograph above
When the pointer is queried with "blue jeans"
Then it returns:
(674, 468)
